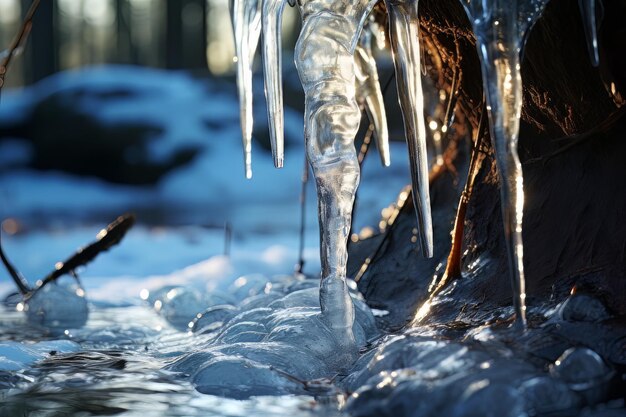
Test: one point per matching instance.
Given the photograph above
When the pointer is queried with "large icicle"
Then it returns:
(247, 26)
(588, 14)
(500, 27)
(272, 17)
(404, 30)
(370, 94)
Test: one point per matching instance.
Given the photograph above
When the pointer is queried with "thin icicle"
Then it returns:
(404, 33)
(247, 26)
(588, 14)
(500, 27)
(370, 94)
(272, 17)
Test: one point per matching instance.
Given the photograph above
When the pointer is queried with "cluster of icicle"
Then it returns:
(338, 72)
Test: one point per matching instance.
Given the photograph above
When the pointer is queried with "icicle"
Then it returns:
(500, 27)
(588, 14)
(404, 25)
(369, 92)
(247, 25)
(272, 17)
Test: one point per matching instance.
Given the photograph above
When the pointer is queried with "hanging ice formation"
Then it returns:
(588, 14)
(336, 69)
(500, 27)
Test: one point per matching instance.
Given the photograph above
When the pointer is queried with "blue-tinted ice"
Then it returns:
(271, 343)
(500, 27)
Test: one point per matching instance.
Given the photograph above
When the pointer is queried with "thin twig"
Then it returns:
(228, 236)
(305, 180)
(106, 239)
(18, 278)
(18, 41)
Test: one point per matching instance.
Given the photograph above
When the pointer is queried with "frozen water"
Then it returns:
(501, 27)
(15, 356)
(288, 338)
(584, 371)
(404, 36)
(583, 307)
(213, 318)
(247, 26)
(588, 14)
(244, 331)
(368, 91)
(249, 285)
(240, 378)
(57, 307)
(180, 305)
(545, 395)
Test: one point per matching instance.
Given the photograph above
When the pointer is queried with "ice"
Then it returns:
(259, 300)
(245, 331)
(290, 338)
(15, 356)
(403, 36)
(500, 27)
(368, 91)
(546, 395)
(213, 318)
(240, 378)
(583, 307)
(247, 25)
(294, 360)
(588, 14)
(272, 17)
(249, 285)
(180, 305)
(58, 306)
(584, 371)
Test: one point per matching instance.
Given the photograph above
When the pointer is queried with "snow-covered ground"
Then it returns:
(264, 212)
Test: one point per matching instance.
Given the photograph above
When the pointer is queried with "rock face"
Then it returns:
(574, 177)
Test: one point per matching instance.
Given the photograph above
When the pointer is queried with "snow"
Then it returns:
(264, 211)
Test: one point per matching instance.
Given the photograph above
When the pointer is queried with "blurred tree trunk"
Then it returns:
(186, 34)
(42, 48)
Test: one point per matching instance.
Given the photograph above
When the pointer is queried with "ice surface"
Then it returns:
(240, 378)
(581, 368)
(545, 395)
(501, 27)
(15, 356)
(57, 307)
(213, 318)
(288, 342)
(583, 307)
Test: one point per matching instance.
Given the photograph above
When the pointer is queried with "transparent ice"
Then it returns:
(57, 307)
(336, 68)
(500, 27)
(368, 91)
(286, 343)
(583, 370)
(588, 14)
